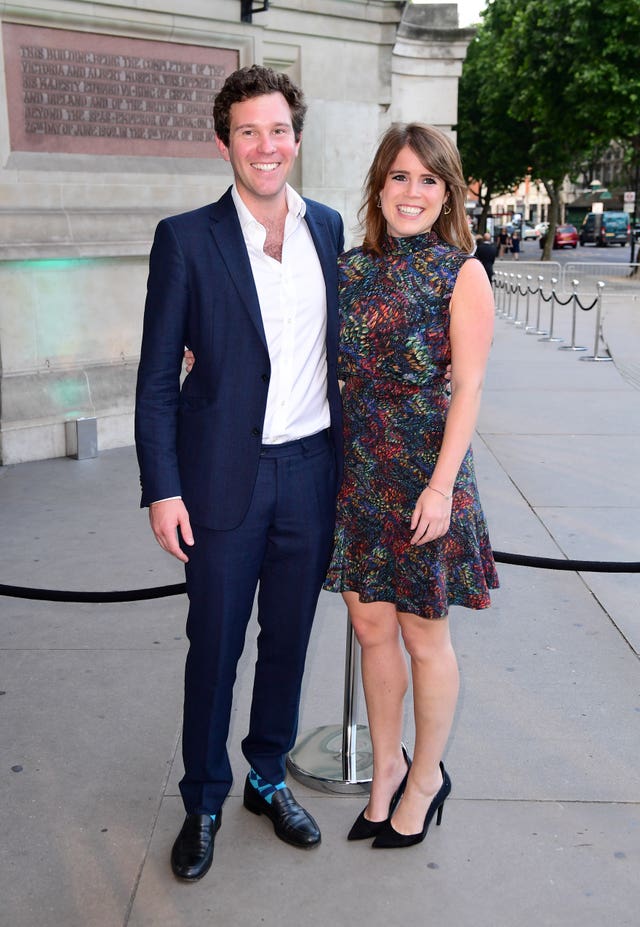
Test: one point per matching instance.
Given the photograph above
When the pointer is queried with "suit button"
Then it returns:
(255, 431)
(265, 377)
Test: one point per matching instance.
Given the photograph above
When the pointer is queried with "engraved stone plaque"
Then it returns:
(85, 93)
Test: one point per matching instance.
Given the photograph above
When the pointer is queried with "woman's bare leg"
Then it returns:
(435, 692)
(385, 681)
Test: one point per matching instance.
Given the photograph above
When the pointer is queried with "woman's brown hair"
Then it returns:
(437, 153)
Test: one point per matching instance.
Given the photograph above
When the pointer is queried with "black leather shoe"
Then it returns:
(291, 822)
(192, 853)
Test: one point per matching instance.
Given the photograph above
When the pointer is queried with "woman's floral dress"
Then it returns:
(394, 350)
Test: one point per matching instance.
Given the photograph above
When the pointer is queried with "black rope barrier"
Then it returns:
(159, 592)
(562, 302)
(514, 288)
(65, 595)
(586, 308)
(557, 563)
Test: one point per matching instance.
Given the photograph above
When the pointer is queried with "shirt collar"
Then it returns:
(296, 207)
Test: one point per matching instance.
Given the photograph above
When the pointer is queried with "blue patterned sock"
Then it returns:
(266, 789)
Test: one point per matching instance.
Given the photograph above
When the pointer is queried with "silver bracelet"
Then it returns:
(439, 491)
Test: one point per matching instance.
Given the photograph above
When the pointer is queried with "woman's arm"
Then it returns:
(471, 332)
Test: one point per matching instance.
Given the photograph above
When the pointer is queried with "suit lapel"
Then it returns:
(322, 240)
(227, 234)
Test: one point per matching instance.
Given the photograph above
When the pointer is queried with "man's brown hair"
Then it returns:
(256, 81)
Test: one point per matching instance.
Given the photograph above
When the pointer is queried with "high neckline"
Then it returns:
(409, 245)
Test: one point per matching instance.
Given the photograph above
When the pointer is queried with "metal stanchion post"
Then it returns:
(505, 293)
(551, 336)
(337, 757)
(595, 356)
(497, 295)
(573, 346)
(535, 329)
(508, 317)
(516, 320)
(525, 323)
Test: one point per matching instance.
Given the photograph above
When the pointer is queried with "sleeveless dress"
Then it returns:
(394, 350)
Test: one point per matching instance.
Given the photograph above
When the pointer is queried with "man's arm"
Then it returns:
(158, 392)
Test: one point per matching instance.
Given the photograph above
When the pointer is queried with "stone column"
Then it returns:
(427, 63)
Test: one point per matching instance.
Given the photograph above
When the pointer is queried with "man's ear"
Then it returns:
(222, 148)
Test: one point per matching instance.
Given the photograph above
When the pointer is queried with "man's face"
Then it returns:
(262, 149)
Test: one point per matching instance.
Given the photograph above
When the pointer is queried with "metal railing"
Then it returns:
(617, 276)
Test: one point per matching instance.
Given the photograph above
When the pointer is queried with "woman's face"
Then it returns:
(412, 196)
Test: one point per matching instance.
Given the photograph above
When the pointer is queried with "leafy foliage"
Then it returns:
(545, 83)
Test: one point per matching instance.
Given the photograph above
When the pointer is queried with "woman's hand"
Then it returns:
(431, 517)
(189, 360)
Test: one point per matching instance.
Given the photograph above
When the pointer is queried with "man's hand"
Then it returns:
(166, 517)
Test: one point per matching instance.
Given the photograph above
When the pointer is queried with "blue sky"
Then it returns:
(468, 10)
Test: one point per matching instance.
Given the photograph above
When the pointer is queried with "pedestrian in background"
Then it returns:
(503, 241)
(515, 244)
(486, 252)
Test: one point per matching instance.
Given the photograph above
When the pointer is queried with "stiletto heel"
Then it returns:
(363, 828)
(389, 838)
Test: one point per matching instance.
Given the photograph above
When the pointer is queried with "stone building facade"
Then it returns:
(105, 127)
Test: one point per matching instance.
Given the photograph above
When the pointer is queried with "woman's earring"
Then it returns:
(379, 203)
(446, 209)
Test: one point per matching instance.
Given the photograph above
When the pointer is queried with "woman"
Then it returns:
(411, 538)
(515, 244)
(504, 242)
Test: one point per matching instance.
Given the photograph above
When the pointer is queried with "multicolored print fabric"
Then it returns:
(394, 351)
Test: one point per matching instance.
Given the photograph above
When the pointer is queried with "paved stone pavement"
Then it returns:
(543, 826)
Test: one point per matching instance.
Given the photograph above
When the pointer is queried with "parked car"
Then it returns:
(529, 231)
(605, 228)
(566, 236)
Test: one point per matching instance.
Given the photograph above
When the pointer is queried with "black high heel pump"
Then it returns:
(388, 838)
(363, 829)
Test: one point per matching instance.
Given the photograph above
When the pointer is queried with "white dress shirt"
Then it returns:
(293, 305)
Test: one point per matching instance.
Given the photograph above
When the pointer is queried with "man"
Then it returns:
(240, 467)
(486, 253)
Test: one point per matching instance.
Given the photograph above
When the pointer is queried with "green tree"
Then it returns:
(568, 69)
(494, 146)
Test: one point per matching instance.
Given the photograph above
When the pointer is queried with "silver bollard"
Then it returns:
(551, 336)
(573, 346)
(595, 356)
(535, 329)
(337, 757)
(527, 327)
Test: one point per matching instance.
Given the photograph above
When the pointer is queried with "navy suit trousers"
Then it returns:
(281, 548)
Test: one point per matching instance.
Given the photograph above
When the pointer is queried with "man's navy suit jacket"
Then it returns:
(202, 441)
